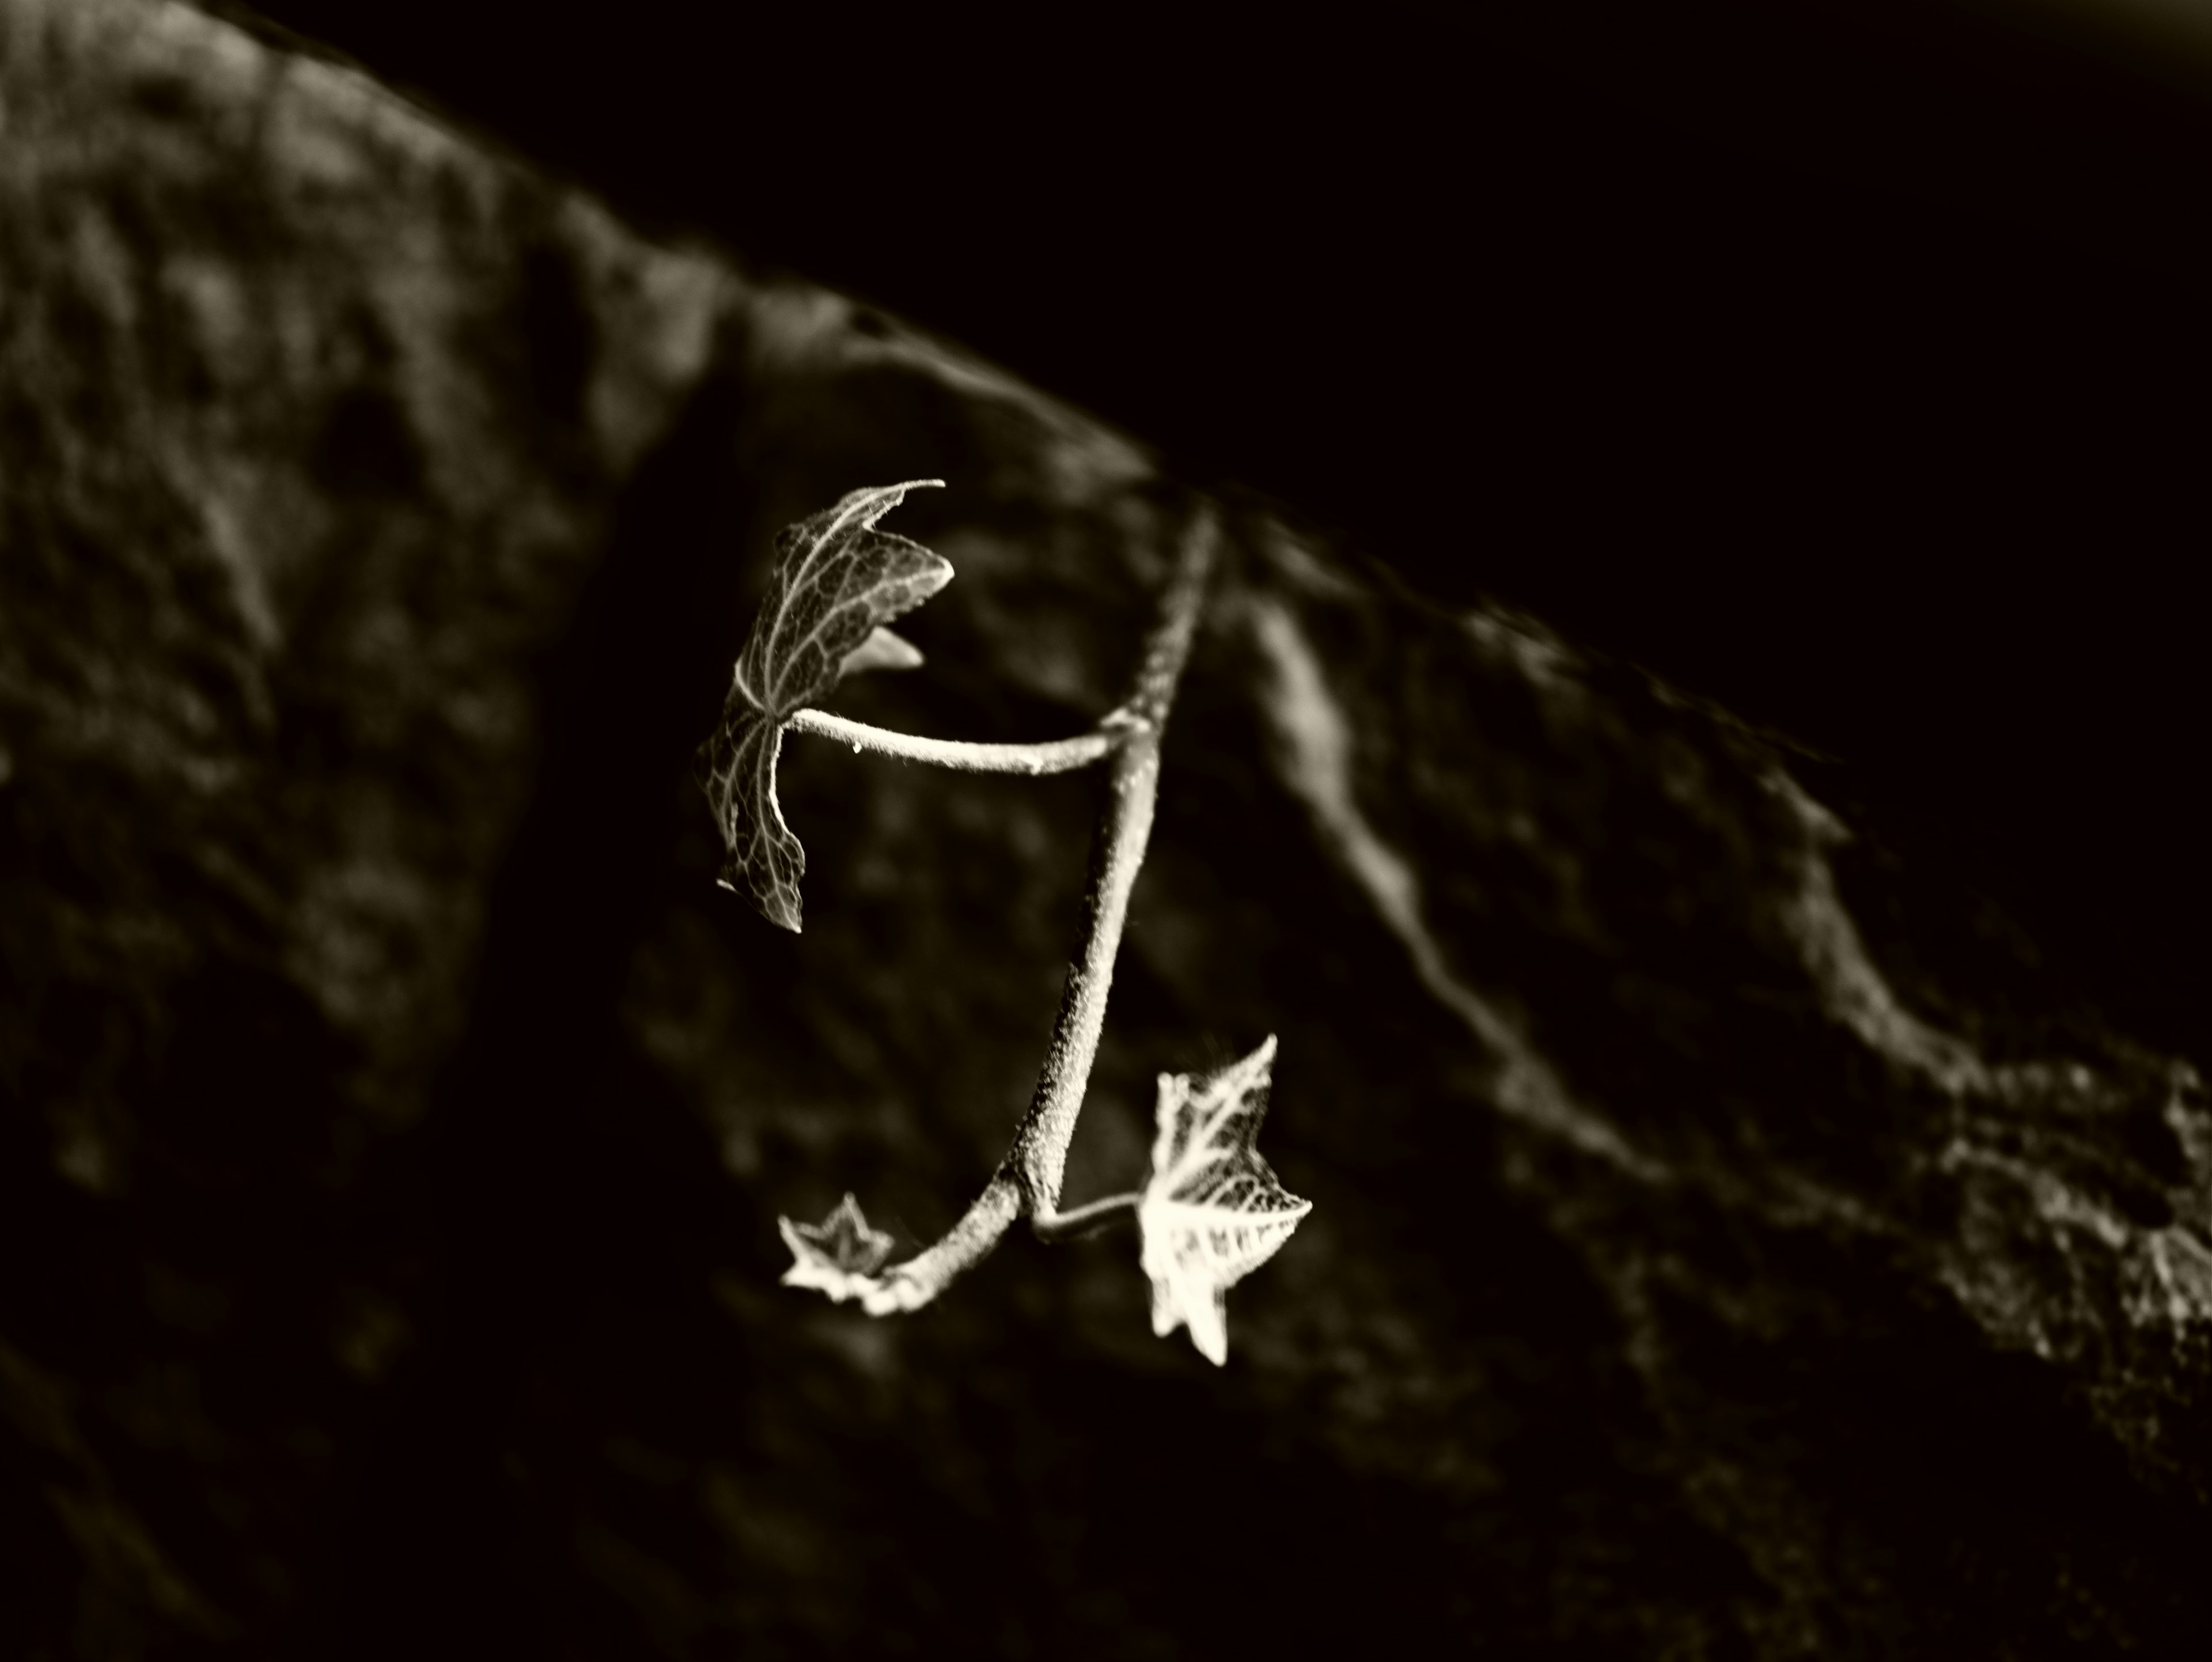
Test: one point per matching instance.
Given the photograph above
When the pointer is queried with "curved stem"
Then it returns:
(1039, 1155)
(910, 1285)
(1058, 756)
(1028, 1179)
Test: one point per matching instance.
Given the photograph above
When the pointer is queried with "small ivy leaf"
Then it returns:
(1213, 1211)
(881, 650)
(837, 579)
(840, 1255)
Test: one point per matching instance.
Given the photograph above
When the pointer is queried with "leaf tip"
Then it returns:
(779, 903)
(883, 649)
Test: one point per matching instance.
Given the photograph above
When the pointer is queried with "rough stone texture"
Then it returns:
(1730, 1238)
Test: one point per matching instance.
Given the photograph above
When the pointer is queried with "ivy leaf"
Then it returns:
(837, 579)
(839, 1255)
(1213, 1211)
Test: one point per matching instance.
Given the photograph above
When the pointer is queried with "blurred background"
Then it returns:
(1846, 363)
(397, 1119)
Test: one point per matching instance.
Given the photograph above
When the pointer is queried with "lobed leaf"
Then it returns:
(838, 1256)
(1213, 1210)
(837, 579)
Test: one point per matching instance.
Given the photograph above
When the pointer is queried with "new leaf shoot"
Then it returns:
(838, 1256)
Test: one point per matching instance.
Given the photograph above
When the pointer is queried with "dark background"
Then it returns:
(1839, 365)
(1844, 362)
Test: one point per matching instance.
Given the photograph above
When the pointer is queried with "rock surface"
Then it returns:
(1729, 1237)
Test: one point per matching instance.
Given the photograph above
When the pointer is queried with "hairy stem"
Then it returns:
(1028, 1179)
(1059, 756)
(1038, 1158)
(913, 1284)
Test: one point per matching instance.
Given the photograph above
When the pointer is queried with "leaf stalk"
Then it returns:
(1057, 756)
(1087, 1220)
